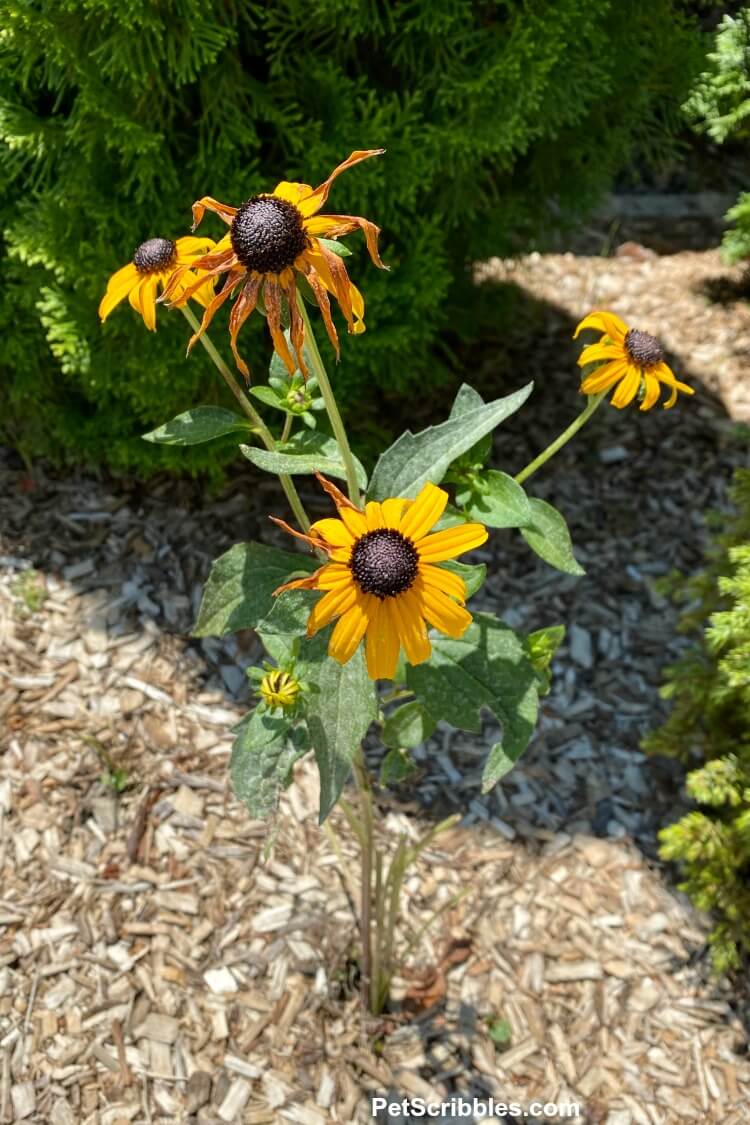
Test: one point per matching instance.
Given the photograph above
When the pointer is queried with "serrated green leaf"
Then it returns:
(239, 590)
(338, 711)
(499, 502)
(414, 459)
(263, 754)
(396, 766)
(307, 452)
(549, 537)
(202, 423)
(487, 667)
(335, 247)
(408, 725)
(473, 574)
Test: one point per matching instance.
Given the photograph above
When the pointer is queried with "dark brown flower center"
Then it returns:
(644, 350)
(384, 563)
(155, 255)
(267, 234)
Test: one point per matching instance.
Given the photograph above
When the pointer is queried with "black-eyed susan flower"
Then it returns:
(633, 361)
(279, 690)
(383, 581)
(271, 239)
(154, 263)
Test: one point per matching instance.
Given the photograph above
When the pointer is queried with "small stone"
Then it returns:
(198, 1091)
(581, 648)
(612, 454)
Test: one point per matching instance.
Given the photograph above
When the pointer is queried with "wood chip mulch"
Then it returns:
(163, 958)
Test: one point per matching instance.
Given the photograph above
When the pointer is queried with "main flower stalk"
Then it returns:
(259, 425)
(326, 390)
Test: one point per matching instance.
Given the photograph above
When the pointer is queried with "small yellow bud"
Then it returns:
(279, 689)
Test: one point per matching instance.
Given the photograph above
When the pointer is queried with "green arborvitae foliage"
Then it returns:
(115, 115)
(720, 106)
(710, 723)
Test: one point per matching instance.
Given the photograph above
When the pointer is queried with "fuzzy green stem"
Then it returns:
(592, 404)
(326, 390)
(259, 425)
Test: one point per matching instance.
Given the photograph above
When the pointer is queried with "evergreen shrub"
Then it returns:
(709, 729)
(115, 115)
(719, 105)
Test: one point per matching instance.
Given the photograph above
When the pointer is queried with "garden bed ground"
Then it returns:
(156, 966)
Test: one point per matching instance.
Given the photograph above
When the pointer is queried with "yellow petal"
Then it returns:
(426, 510)
(340, 554)
(291, 192)
(382, 644)
(665, 375)
(354, 520)
(441, 611)
(437, 578)
(412, 632)
(331, 605)
(374, 516)
(603, 378)
(651, 397)
(139, 300)
(393, 510)
(598, 351)
(333, 576)
(148, 302)
(453, 541)
(334, 532)
(607, 322)
(349, 631)
(192, 246)
(627, 388)
(118, 288)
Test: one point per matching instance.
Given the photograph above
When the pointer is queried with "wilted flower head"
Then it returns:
(273, 238)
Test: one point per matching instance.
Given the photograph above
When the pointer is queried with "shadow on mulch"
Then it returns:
(726, 290)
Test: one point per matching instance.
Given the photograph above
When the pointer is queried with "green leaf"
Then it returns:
(281, 648)
(263, 755)
(202, 423)
(542, 646)
(269, 396)
(548, 535)
(339, 708)
(499, 502)
(239, 590)
(336, 247)
(396, 766)
(289, 613)
(468, 399)
(307, 452)
(408, 725)
(472, 574)
(414, 459)
(487, 667)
